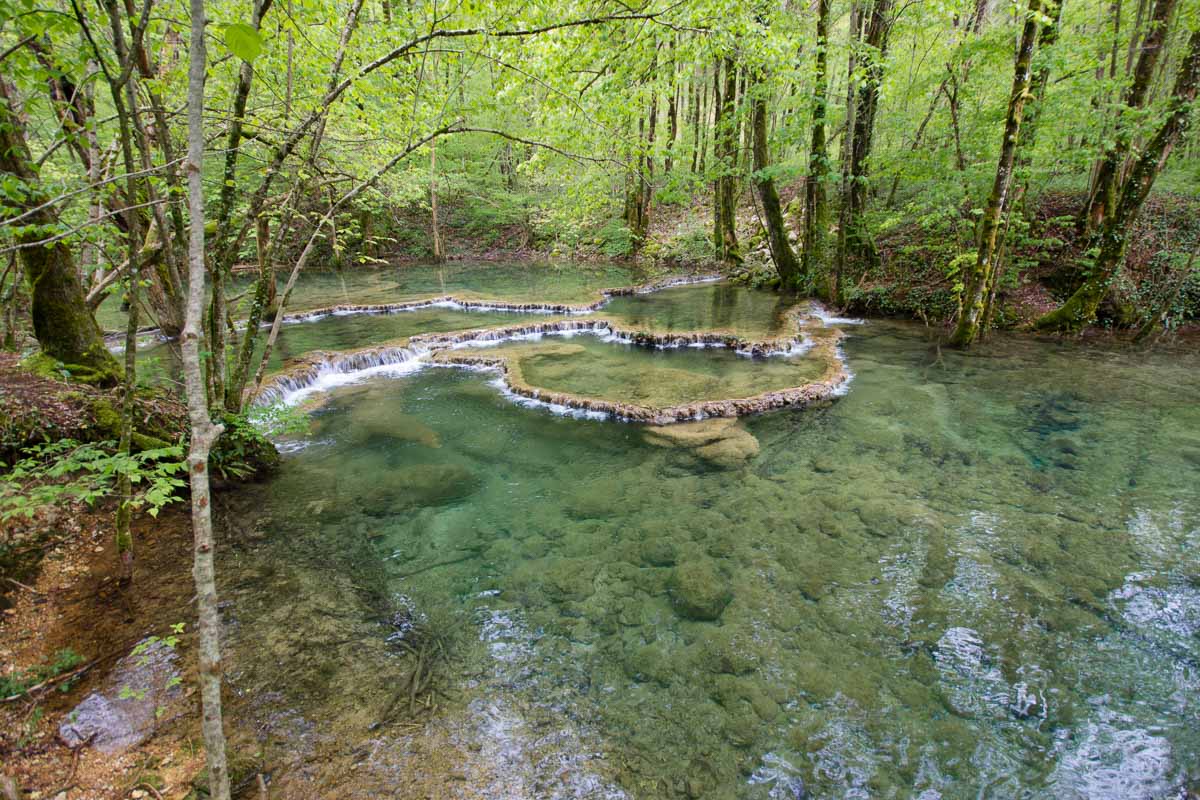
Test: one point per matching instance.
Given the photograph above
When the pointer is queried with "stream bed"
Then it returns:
(973, 575)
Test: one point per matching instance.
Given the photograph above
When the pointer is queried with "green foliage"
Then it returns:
(20, 681)
(243, 41)
(66, 470)
(243, 451)
(615, 240)
(278, 419)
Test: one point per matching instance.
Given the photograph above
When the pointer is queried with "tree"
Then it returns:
(983, 275)
(816, 199)
(725, 130)
(1080, 308)
(786, 263)
(203, 432)
(870, 29)
(62, 322)
(1102, 198)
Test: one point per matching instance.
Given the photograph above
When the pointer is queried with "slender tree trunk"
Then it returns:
(124, 516)
(1037, 94)
(62, 322)
(847, 146)
(1102, 197)
(204, 433)
(857, 243)
(439, 254)
(726, 159)
(816, 200)
(786, 263)
(672, 115)
(982, 276)
(718, 107)
(1080, 308)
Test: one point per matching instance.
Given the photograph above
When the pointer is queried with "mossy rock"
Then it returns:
(242, 452)
(659, 552)
(699, 590)
(416, 487)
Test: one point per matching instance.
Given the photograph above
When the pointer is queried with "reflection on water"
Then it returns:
(973, 576)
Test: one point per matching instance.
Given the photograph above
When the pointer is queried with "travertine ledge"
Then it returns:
(807, 333)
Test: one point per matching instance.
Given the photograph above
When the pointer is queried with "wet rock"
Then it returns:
(650, 662)
(559, 578)
(415, 487)
(699, 591)
(125, 712)
(726, 649)
(720, 441)
(733, 451)
(659, 552)
(378, 419)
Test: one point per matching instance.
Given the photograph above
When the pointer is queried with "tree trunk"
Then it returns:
(62, 322)
(672, 117)
(1037, 94)
(439, 253)
(204, 433)
(718, 239)
(1080, 308)
(856, 243)
(725, 156)
(1102, 197)
(702, 129)
(816, 200)
(786, 263)
(647, 177)
(983, 274)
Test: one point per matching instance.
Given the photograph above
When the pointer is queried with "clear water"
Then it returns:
(589, 366)
(711, 306)
(702, 307)
(513, 282)
(972, 576)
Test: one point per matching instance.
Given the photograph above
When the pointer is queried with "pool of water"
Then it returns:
(708, 306)
(589, 366)
(702, 307)
(975, 575)
(513, 282)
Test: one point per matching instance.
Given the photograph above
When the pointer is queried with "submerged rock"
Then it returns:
(126, 711)
(371, 420)
(698, 590)
(418, 486)
(721, 441)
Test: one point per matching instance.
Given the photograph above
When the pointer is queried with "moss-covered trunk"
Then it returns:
(983, 275)
(62, 322)
(816, 201)
(1080, 308)
(786, 263)
(1102, 196)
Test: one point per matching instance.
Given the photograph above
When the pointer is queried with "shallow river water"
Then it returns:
(971, 576)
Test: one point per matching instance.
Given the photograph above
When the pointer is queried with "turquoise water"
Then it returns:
(972, 576)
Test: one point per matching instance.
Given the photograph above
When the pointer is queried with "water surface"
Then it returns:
(972, 576)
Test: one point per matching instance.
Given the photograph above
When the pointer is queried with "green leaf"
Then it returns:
(243, 41)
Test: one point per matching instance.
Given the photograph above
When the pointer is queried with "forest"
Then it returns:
(818, 412)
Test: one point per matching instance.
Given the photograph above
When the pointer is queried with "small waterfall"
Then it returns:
(323, 371)
(327, 371)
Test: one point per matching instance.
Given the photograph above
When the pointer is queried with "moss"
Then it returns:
(106, 421)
